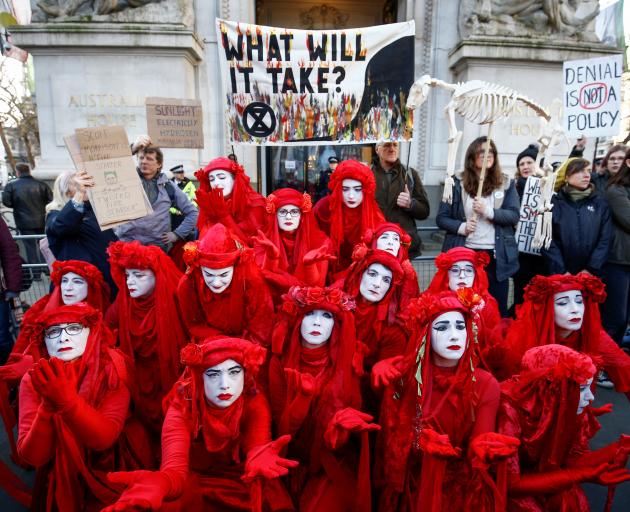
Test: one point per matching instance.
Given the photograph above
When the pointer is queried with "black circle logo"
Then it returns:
(259, 119)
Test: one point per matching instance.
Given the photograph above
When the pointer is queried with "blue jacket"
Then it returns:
(451, 216)
(581, 233)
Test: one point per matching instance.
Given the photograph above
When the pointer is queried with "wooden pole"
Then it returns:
(484, 165)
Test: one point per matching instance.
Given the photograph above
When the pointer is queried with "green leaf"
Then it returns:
(7, 20)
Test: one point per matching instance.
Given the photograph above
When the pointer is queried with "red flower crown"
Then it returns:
(428, 306)
(541, 287)
(353, 170)
(271, 202)
(300, 297)
(444, 261)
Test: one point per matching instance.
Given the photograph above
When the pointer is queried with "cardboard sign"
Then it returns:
(117, 196)
(526, 228)
(592, 96)
(72, 145)
(285, 85)
(174, 123)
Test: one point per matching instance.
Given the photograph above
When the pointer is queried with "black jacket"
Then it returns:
(28, 197)
(581, 233)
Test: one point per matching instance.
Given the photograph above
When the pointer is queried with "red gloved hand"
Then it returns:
(213, 204)
(16, 370)
(145, 490)
(438, 445)
(265, 461)
(271, 251)
(345, 421)
(299, 383)
(282, 280)
(320, 254)
(492, 447)
(56, 382)
(604, 409)
(385, 371)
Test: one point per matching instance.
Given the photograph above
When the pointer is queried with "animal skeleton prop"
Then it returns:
(478, 102)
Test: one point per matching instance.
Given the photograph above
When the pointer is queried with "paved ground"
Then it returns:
(613, 425)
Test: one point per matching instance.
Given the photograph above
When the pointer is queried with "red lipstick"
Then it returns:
(224, 396)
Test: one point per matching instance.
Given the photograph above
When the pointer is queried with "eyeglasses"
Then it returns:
(456, 271)
(294, 213)
(71, 329)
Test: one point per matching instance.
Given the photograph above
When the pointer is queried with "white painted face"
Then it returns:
(461, 275)
(66, 341)
(223, 383)
(568, 309)
(140, 282)
(222, 179)
(448, 338)
(288, 217)
(73, 288)
(317, 326)
(586, 396)
(389, 241)
(375, 282)
(352, 193)
(217, 279)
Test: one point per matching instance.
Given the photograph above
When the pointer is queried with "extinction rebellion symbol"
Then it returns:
(259, 119)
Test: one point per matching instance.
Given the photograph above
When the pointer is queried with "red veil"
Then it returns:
(244, 309)
(150, 329)
(344, 225)
(289, 268)
(245, 207)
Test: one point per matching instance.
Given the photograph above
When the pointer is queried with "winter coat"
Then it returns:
(581, 234)
(10, 261)
(618, 198)
(28, 197)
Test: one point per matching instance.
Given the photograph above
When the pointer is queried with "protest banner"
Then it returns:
(592, 96)
(72, 145)
(117, 196)
(175, 123)
(316, 86)
(526, 227)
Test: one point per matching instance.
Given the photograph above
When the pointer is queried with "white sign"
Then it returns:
(526, 228)
(592, 96)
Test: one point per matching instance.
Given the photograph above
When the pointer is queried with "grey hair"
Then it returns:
(60, 191)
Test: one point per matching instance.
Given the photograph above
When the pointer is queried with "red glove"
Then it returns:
(385, 371)
(145, 490)
(556, 481)
(271, 251)
(345, 421)
(300, 390)
(320, 254)
(15, 371)
(299, 383)
(265, 460)
(282, 280)
(213, 204)
(55, 382)
(491, 447)
(604, 409)
(437, 445)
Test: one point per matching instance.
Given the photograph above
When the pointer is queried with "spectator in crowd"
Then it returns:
(486, 223)
(10, 286)
(399, 193)
(155, 228)
(582, 224)
(324, 178)
(187, 187)
(28, 197)
(71, 227)
(616, 309)
(578, 149)
(611, 163)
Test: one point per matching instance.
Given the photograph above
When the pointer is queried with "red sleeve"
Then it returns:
(176, 440)
(616, 362)
(98, 428)
(256, 423)
(36, 430)
(111, 317)
(260, 314)
(392, 343)
(277, 388)
(486, 411)
(322, 214)
(508, 424)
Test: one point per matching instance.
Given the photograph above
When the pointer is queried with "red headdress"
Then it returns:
(371, 236)
(222, 313)
(408, 409)
(535, 319)
(446, 260)
(220, 426)
(154, 319)
(546, 394)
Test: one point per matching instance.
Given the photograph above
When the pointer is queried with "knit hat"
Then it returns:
(531, 151)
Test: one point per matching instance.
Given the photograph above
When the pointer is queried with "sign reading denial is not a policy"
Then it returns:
(175, 123)
(592, 96)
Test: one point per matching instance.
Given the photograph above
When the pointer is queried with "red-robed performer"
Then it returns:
(293, 251)
(349, 210)
(546, 406)
(223, 290)
(563, 309)
(440, 416)
(217, 452)
(225, 196)
(73, 406)
(315, 397)
(150, 329)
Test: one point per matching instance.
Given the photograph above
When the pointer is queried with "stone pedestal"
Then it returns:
(530, 66)
(90, 74)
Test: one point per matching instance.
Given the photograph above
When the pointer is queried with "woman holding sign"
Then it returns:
(484, 220)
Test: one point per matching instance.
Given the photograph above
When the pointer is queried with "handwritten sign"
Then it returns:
(174, 123)
(117, 196)
(526, 228)
(592, 96)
